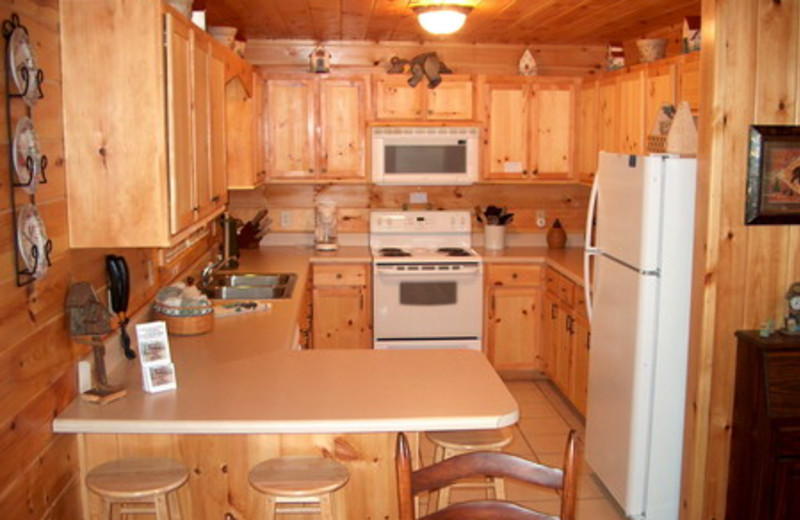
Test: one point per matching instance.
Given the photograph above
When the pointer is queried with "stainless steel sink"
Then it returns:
(251, 286)
(252, 279)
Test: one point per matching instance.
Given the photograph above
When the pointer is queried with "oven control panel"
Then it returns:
(420, 222)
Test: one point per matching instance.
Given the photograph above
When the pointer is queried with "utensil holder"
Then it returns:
(494, 237)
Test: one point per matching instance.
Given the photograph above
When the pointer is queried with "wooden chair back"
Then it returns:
(487, 463)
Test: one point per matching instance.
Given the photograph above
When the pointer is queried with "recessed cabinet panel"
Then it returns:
(290, 113)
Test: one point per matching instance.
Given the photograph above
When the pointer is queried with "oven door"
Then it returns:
(428, 305)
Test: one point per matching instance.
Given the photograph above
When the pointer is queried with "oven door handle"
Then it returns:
(391, 271)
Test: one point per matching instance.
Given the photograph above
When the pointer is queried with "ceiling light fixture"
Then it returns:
(442, 17)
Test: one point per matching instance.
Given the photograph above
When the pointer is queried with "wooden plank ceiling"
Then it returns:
(491, 21)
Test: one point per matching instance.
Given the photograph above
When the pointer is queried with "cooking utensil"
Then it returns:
(119, 285)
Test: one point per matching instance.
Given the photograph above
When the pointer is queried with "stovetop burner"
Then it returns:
(454, 251)
(393, 251)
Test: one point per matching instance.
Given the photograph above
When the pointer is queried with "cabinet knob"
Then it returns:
(338, 276)
(514, 276)
(215, 198)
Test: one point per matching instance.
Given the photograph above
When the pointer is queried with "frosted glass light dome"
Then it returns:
(442, 19)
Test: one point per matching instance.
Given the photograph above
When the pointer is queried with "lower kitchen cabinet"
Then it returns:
(566, 337)
(513, 316)
(341, 306)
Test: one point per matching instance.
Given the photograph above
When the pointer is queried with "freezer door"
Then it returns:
(620, 380)
(629, 206)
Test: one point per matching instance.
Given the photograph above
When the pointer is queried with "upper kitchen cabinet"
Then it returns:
(530, 128)
(316, 128)
(245, 150)
(141, 132)
(618, 110)
(452, 100)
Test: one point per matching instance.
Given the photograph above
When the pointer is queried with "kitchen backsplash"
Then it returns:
(291, 206)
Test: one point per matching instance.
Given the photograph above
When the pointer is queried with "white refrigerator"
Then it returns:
(638, 264)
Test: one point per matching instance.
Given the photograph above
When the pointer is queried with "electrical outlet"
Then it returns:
(286, 219)
(418, 197)
(84, 376)
(541, 218)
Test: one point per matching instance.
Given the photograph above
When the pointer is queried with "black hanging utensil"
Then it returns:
(119, 284)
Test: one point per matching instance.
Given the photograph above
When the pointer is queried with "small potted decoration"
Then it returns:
(495, 220)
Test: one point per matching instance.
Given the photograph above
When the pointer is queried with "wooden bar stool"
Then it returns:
(450, 443)
(299, 485)
(139, 486)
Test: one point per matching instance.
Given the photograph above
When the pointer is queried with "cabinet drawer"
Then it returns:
(511, 275)
(561, 286)
(341, 275)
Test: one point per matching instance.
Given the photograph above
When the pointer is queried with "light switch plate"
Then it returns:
(418, 197)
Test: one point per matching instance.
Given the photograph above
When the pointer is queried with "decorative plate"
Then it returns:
(32, 241)
(24, 70)
(25, 153)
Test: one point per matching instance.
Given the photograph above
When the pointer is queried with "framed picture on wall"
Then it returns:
(773, 175)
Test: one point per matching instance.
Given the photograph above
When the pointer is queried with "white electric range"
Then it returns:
(427, 280)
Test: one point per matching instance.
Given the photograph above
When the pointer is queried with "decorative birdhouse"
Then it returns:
(527, 65)
(319, 60)
(615, 56)
(691, 34)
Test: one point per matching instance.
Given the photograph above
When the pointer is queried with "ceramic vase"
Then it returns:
(556, 236)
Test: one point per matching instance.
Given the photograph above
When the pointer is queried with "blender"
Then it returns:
(325, 227)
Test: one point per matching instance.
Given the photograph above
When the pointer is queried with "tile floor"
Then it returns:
(541, 435)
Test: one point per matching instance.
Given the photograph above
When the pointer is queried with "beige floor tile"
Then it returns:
(547, 443)
(598, 509)
(549, 425)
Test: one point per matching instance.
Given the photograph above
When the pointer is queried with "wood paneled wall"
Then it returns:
(566, 202)
(750, 74)
(461, 58)
(39, 470)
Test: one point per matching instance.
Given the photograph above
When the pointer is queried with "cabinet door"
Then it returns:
(396, 100)
(451, 100)
(586, 147)
(341, 318)
(342, 128)
(579, 368)
(689, 80)
(507, 133)
(259, 130)
(552, 130)
(515, 327)
(219, 161)
(201, 55)
(631, 112)
(608, 106)
(291, 120)
(179, 121)
(239, 115)
(660, 87)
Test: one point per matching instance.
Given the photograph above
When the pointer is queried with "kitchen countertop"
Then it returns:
(241, 377)
(567, 261)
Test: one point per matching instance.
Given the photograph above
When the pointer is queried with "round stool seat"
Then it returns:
(137, 477)
(472, 440)
(298, 476)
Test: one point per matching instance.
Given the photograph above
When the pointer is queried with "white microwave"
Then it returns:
(417, 155)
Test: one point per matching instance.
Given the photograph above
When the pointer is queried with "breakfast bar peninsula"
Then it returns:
(243, 396)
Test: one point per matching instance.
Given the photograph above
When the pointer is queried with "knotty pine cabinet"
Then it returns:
(764, 474)
(530, 127)
(513, 294)
(341, 306)
(617, 110)
(395, 100)
(141, 132)
(566, 337)
(316, 127)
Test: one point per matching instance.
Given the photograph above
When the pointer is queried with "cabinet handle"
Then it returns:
(338, 276)
(215, 198)
(196, 208)
(514, 276)
(553, 308)
(361, 301)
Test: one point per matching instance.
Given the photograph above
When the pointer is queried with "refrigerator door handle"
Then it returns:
(589, 249)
